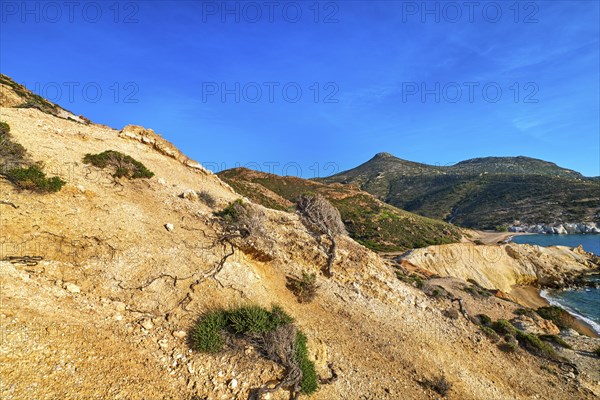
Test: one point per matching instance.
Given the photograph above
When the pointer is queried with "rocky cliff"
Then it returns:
(503, 266)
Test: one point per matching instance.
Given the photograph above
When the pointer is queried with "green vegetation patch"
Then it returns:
(123, 165)
(253, 322)
(34, 179)
(556, 340)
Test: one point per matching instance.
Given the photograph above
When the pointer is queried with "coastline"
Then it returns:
(530, 296)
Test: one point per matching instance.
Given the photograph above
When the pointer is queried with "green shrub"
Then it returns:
(124, 166)
(11, 153)
(535, 345)
(304, 288)
(490, 333)
(484, 320)
(310, 380)
(412, 279)
(252, 322)
(255, 319)
(597, 352)
(524, 311)
(509, 345)
(207, 334)
(555, 339)
(34, 179)
(232, 211)
(503, 327)
(557, 315)
(4, 129)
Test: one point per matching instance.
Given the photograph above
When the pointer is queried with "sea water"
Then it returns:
(583, 303)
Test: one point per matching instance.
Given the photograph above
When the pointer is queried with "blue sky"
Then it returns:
(433, 82)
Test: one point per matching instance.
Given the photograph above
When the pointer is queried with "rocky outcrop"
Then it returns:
(502, 266)
(560, 229)
(149, 137)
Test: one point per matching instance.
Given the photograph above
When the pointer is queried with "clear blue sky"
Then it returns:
(371, 62)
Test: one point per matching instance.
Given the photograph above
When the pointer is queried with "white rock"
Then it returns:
(81, 188)
(179, 334)
(190, 194)
(147, 324)
(162, 181)
(73, 288)
(233, 383)
(169, 227)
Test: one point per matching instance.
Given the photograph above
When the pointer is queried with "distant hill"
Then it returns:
(368, 220)
(481, 192)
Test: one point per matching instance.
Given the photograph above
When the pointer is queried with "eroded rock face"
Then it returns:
(149, 137)
(535, 324)
(502, 266)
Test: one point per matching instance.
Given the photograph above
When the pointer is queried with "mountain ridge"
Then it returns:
(483, 192)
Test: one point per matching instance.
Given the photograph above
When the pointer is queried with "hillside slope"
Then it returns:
(480, 193)
(123, 269)
(368, 220)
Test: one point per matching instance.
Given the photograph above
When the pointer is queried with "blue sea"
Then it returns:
(584, 303)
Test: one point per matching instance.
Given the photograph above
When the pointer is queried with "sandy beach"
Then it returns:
(529, 296)
(493, 237)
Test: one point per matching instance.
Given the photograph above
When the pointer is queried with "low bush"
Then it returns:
(34, 179)
(310, 380)
(11, 153)
(484, 320)
(123, 165)
(509, 345)
(304, 288)
(535, 345)
(503, 327)
(556, 340)
(412, 279)
(597, 352)
(207, 198)
(490, 333)
(524, 311)
(232, 212)
(557, 315)
(272, 331)
(439, 384)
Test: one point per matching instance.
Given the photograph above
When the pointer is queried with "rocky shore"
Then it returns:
(560, 229)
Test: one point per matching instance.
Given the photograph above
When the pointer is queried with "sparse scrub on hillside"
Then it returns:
(207, 198)
(304, 288)
(323, 219)
(439, 384)
(556, 340)
(34, 179)
(490, 333)
(557, 315)
(535, 345)
(122, 165)
(531, 342)
(272, 332)
(476, 290)
(509, 345)
(11, 153)
(412, 279)
(20, 170)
